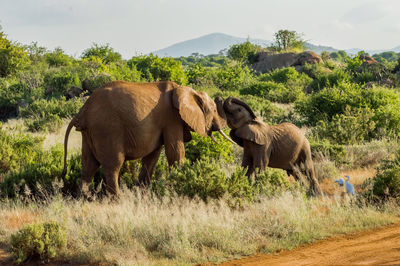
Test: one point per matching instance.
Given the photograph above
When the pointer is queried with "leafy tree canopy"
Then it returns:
(286, 41)
(105, 52)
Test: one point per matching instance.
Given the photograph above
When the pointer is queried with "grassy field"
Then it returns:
(140, 228)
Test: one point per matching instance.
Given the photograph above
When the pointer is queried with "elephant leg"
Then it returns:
(309, 169)
(89, 167)
(248, 162)
(260, 159)
(174, 145)
(111, 170)
(148, 164)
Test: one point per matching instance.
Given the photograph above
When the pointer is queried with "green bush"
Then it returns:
(48, 114)
(335, 152)
(244, 52)
(386, 184)
(58, 58)
(233, 77)
(13, 56)
(323, 77)
(204, 178)
(281, 85)
(15, 149)
(44, 240)
(57, 82)
(153, 68)
(271, 181)
(263, 88)
(205, 147)
(328, 102)
(200, 75)
(96, 81)
(104, 52)
(352, 127)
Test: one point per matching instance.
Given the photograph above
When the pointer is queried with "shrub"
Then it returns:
(153, 68)
(281, 85)
(271, 182)
(43, 240)
(48, 114)
(57, 82)
(324, 77)
(262, 88)
(244, 52)
(233, 77)
(199, 75)
(205, 147)
(96, 81)
(15, 149)
(323, 148)
(104, 52)
(13, 56)
(386, 184)
(352, 127)
(205, 179)
(58, 58)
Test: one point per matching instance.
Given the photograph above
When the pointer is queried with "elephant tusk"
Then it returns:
(225, 136)
(213, 138)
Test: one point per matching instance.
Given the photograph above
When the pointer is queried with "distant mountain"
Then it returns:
(372, 52)
(215, 42)
(208, 44)
(319, 48)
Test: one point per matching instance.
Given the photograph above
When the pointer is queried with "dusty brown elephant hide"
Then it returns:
(125, 121)
(282, 146)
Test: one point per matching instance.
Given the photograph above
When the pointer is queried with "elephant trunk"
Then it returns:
(221, 123)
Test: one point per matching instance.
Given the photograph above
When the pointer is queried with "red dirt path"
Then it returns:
(374, 247)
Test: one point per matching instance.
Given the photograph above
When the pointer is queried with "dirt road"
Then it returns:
(374, 247)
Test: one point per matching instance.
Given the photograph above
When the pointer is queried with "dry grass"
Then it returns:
(142, 229)
(50, 138)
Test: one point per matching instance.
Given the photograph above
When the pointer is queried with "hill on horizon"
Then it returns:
(207, 44)
(215, 42)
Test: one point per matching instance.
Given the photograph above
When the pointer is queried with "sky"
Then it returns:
(135, 27)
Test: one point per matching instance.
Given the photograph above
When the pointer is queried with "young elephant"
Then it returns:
(282, 146)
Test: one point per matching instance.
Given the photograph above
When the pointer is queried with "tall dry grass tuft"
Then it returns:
(371, 153)
(140, 228)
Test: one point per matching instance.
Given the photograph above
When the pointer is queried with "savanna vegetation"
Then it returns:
(206, 209)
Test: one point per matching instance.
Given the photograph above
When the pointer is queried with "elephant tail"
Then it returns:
(70, 125)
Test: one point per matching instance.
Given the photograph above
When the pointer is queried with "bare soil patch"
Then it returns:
(373, 247)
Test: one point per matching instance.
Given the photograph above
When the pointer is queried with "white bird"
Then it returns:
(340, 181)
(349, 187)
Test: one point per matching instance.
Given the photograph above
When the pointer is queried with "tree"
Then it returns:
(286, 40)
(13, 56)
(153, 68)
(244, 52)
(104, 52)
(57, 58)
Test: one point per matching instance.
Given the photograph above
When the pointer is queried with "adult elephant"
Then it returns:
(125, 121)
(282, 146)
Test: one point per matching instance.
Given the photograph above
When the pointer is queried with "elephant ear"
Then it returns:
(190, 104)
(255, 131)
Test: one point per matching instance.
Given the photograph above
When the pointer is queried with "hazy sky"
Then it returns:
(142, 26)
